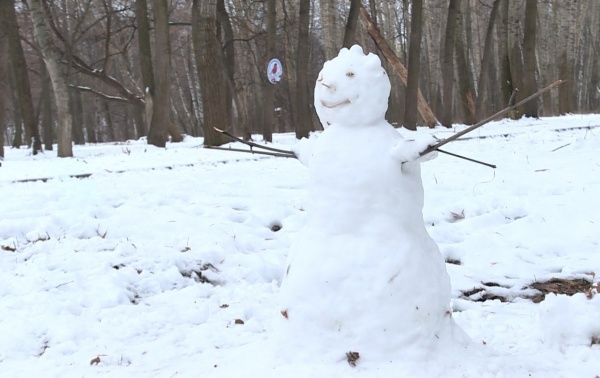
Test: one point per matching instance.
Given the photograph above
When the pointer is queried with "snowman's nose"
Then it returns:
(328, 85)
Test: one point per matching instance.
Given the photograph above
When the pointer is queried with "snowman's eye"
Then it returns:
(350, 74)
(320, 78)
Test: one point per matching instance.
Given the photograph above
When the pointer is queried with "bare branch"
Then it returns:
(98, 93)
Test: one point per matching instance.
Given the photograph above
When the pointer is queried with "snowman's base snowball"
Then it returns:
(304, 345)
(388, 301)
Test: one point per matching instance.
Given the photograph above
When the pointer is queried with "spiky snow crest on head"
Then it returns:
(348, 85)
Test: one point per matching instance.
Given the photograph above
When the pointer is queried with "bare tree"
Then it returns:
(269, 88)
(465, 82)
(3, 84)
(145, 57)
(303, 120)
(448, 64)
(209, 62)
(45, 106)
(350, 30)
(21, 77)
(331, 28)
(414, 57)
(160, 123)
(52, 57)
(529, 59)
(486, 61)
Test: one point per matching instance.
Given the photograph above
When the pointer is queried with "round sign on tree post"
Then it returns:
(274, 71)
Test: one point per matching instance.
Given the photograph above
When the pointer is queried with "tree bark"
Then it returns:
(394, 61)
(3, 84)
(484, 77)
(17, 58)
(158, 134)
(303, 111)
(515, 35)
(465, 86)
(211, 71)
(506, 84)
(229, 56)
(448, 64)
(52, 56)
(92, 135)
(78, 120)
(45, 111)
(350, 30)
(529, 58)
(331, 33)
(110, 127)
(269, 88)
(145, 56)
(414, 63)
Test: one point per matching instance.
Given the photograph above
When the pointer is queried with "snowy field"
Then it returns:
(167, 262)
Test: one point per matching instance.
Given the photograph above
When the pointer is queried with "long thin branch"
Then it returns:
(98, 93)
(491, 118)
(252, 151)
(467, 158)
(252, 144)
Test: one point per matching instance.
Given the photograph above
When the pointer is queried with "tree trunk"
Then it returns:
(269, 88)
(158, 134)
(77, 111)
(506, 84)
(465, 86)
(209, 63)
(138, 119)
(486, 62)
(331, 33)
(414, 62)
(564, 13)
(17, 58)
(110, 127)
(350, 31)
(52, 57)
(17, 141)
(45, 110)
(229, 56)
(303, 111)
(529, 59)
(92, 135)
(145, 56)
(3, 84)
(448, 64)
(515, 35)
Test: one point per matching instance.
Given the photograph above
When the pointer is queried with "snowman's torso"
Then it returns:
(356, 185)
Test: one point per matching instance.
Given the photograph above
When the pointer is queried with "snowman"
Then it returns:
(363, 278)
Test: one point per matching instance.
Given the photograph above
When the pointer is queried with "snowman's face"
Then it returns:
(352, 89)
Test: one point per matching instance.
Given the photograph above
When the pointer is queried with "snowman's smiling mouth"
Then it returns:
(332, 105)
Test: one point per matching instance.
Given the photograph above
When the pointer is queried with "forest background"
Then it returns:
(89, 71)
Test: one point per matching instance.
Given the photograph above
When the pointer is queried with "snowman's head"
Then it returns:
(352, 89)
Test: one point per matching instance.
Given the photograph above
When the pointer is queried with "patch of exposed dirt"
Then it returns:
(568, 286)
(562, 286)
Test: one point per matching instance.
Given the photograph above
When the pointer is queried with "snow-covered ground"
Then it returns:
(167, 262)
